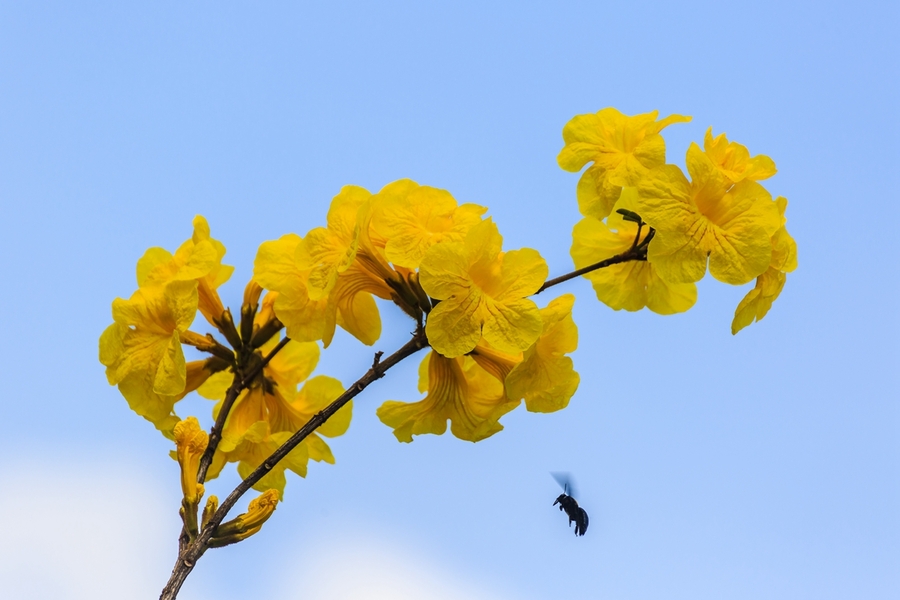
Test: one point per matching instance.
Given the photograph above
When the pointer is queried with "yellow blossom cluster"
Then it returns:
(632, 201)
(143, 351)
(649, 233)
(443, 264)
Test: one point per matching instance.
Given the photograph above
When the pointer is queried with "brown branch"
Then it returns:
(192, 553)
(634, 253)
(215, 434)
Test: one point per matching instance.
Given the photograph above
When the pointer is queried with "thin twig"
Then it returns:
(637, 236)
(257, 369)
(189, 556)
(237, 386)
(639, 253)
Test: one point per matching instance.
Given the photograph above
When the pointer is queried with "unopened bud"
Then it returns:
(630, 215)
(190, 444)
(421, 296)
(212, 505)
(225, 324)
(248, 523)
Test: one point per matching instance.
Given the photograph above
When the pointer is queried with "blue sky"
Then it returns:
(761, 465)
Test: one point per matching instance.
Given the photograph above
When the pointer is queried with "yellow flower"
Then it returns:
(329, 251)
(142, 348)
(412, 218)
(320, 282)
(475, 390)
(199, 259)
(545, 378)
(482, 292)
(272, 408)
(190, 444)
(337, 275)
(621, 148)
(756, 304)
(246, 524)
(704, 220)
(276, 269)
(734, 161)
(459, 390)
(372, 244)
(498, 364)
(759, 300)
(784, 248)
(631, 285)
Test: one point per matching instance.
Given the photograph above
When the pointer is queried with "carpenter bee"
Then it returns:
(567, 503)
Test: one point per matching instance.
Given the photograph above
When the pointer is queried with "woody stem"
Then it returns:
(237, 386)
(634, 253)
(193, 551)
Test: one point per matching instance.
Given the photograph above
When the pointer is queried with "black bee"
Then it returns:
(567, 503)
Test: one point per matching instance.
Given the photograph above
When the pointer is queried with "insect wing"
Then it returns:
(565, 482)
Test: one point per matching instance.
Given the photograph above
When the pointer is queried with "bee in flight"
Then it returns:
(568, 504)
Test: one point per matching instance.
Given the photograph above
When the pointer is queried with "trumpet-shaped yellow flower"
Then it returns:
(734, 160)
(190, 444)
(412, 218)
(371, 252)
(631, 285)
(319, 282)
(354, 302)
(276, 269)
(272, 409)
(482, 292)
(756, 304)
(546, 378)
(329, 251)
(705, 220)
(498, 364)
(459, 390)
(198, 259)
(621, 148)
(142, 348)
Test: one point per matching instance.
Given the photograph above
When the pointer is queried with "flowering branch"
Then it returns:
(192, 552)
(442, 263)
(239, 384)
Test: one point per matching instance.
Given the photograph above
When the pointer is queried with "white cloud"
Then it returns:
(374, 569)
(81, 530)
(73, 531)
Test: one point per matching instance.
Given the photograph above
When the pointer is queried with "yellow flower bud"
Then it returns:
(248, 523)
(212, 505)
(190, 442)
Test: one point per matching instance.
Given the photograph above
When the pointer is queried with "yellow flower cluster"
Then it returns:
(143, 354)
(475, 389)
(442, 263)
(649, 233)
(632, 200)
(142, 349)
